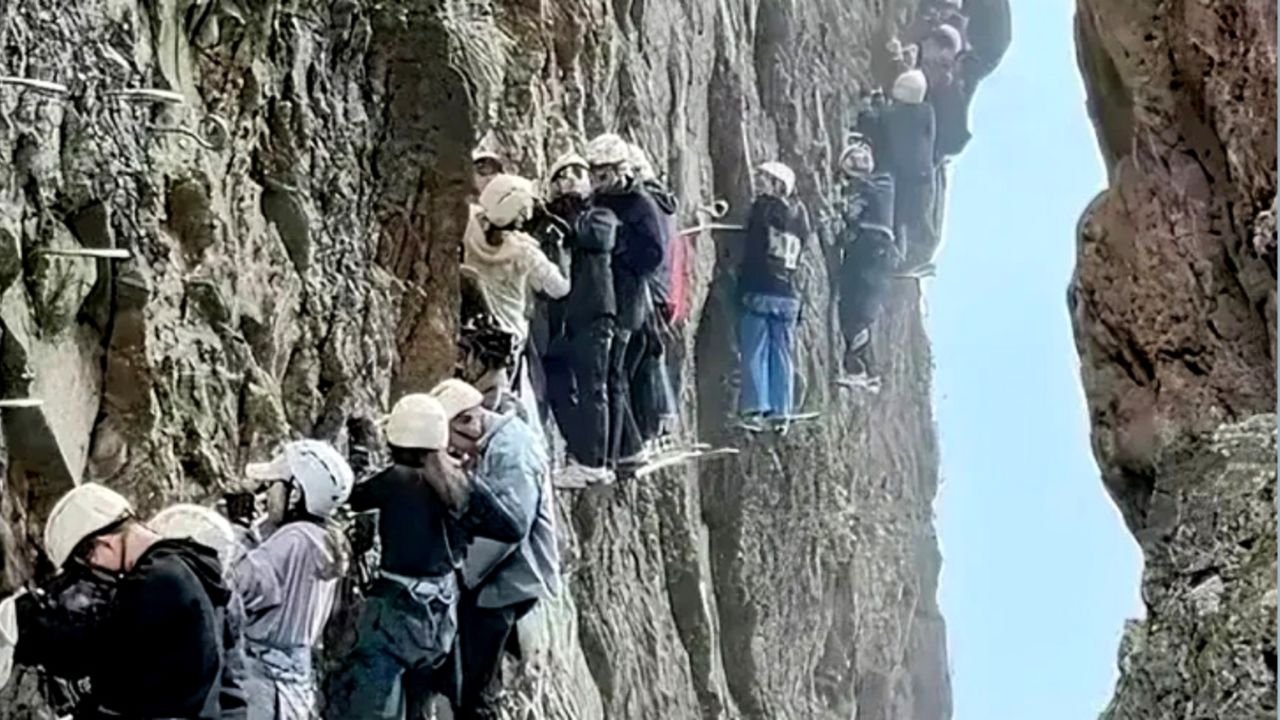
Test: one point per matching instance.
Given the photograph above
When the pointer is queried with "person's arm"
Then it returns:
(545, 276)
(444, 474)
(255, 577)
(366, 495)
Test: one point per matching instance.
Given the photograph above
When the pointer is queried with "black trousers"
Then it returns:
(624, 435)
(584, 413)
(862, 294)
(484, 633)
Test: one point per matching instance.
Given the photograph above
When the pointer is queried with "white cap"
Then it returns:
(952, 35)
(608, 149)
(321, 472)
(506, 200)
(418, 421)
(567, 160)
(784, 174)
(477, 155)
(640, 163)
(911, 87)
(83, 511)
(199, 523)
(457, 396)
(957, 4)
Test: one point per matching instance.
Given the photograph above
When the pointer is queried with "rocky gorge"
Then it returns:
(1174, 304)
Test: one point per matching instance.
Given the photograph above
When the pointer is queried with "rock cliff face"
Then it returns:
(292, 204)
(1174, 302)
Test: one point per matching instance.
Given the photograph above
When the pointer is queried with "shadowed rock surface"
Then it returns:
(294, 268)
(1174, 302)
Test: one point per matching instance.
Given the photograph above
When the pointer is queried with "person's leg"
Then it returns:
(368, 684)
(591, 353)
(781, 353)
(485, 635)
(624, 438)
(752, 349)
(639, 376)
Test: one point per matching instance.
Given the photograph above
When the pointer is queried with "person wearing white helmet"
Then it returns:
(486, 165)
(567, 190)
(207, 527)
(409, 620)
(156, 650)
(640, 247)
(652, 395)
(868, 254)
(777, 231)
(502, 580)
(509, 262)
(289, 581)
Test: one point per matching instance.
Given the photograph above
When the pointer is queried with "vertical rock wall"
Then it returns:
(1174, 302)
(293, 216)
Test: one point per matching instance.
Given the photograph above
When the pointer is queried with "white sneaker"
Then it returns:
(576, 476)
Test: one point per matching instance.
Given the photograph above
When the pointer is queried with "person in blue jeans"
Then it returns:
(770, 305)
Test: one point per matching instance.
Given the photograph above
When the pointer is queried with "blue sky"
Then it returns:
(1038, 571)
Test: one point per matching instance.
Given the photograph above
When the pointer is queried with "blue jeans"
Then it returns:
(766, 334)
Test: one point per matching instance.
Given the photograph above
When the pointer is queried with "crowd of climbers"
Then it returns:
(571, 291)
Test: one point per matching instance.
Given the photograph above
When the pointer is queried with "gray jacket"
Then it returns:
(504, 573)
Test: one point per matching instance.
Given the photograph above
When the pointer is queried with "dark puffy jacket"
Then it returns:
(875, 193)
(903, 136)
(638, 254)
(760, 273)
(160, 654)
(666, 202)
(591, 291)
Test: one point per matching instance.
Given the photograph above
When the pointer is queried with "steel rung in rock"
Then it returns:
(32, 84)
(147, 95)
(20, 403)
(94, 253)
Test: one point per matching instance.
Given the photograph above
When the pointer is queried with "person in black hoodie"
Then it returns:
(638, 254)
(652, 395)
(157, 649)
(770, 302)
(868, 254)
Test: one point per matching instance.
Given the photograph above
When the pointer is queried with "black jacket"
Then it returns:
(159, 653)
(761, 274)
(638, 255)
(903, 136)
(660, 285)
(591, 292)
(554, 230)
(417, 533)
(63, 624)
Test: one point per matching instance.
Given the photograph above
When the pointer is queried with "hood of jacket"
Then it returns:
(203, 562)
(479, 251)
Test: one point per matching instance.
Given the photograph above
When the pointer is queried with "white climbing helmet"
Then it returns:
(321, 473)
(607, 149)
(507, 200)
(782, 173)
(857, 155)
(911, 87)
(564, 162)
(204, 525)
(478, 155)
(640, 163)
(952, 36)
(83, 511)
(418, 421)
(457, 396)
